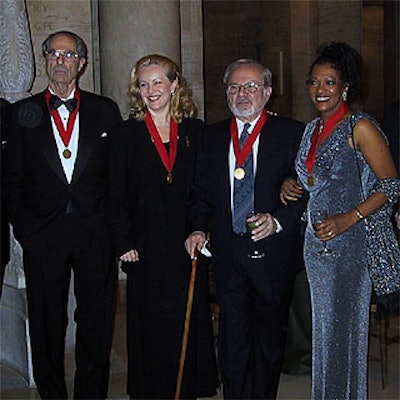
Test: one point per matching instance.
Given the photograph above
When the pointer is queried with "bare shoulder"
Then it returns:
(365, 129)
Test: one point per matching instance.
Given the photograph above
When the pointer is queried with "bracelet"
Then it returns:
(360, 215)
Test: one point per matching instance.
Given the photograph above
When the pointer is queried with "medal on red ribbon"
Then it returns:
(321, 132)
(167, 159)
(242, 154)
(65, 134)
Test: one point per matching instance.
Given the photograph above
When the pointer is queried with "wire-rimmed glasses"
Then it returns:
(249, 87)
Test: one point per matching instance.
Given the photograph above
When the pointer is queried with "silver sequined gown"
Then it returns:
(339, 282)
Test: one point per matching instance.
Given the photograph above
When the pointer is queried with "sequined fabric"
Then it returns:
(339, 282)
(383, 251)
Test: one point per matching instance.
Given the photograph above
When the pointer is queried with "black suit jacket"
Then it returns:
(36, 187)
(211, 200)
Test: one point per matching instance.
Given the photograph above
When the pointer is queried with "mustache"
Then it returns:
(242, 100)
(60, 68)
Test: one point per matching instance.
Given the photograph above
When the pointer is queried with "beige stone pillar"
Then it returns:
(16, 77)
(192, 49)
(129, 30)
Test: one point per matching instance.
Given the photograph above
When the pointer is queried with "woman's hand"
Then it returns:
(290, 191)
(130, 256)
(336, 225)
(195, 241)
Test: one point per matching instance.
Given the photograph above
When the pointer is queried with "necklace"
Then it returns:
(168, 159)
(65, 134)
(321, 132)
(242, 154)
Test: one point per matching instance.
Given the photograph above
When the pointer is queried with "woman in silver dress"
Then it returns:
(345, 164)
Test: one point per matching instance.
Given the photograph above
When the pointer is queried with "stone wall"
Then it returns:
(281, 34)
(47, 16)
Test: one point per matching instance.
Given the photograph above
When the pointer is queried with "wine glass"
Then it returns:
(317, 217)
(250, 225)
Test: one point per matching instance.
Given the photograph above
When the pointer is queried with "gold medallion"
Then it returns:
(169, 177)
(239, 173)
(66, 153)
(311, 180)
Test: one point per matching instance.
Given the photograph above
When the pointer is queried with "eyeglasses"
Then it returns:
(250, 87)
(68, 55)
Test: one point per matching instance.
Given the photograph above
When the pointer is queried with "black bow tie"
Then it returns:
(56, 102)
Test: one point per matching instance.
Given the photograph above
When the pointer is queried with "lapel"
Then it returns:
(46, 141)
(87, 138)
(222, 161)
(266, 157)
(263, 150)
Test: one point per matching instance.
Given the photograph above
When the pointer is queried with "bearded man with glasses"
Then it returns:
(56, 188)
(244, 161)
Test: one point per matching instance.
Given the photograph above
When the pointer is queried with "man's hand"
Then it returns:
(265, 226)
(130, 256)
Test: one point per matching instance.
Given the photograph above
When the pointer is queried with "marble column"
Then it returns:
(192, 58)
(129, 30)
(16, 78)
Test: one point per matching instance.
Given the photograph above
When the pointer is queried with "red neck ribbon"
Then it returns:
(64, 134)
(321, 132)
(167, 159)
(241, 155)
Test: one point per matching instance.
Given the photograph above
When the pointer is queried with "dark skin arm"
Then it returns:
(372, 145)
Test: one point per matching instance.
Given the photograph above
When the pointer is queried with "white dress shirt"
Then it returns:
(68, 164)
(232, 160)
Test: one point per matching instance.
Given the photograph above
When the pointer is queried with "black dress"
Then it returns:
(149, 214)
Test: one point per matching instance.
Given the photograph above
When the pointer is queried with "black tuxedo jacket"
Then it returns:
(211, 199)
(37, 191)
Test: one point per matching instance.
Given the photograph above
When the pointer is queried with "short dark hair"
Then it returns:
(344, 59)
(81, 47)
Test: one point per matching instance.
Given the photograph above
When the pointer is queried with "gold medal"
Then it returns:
(311, 180)
(239, 173)
(66, 153)
(169, 177)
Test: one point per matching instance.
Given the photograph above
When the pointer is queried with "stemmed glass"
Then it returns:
(250, 225)
(317, 217)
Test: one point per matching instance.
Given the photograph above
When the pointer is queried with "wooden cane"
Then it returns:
(189, 306)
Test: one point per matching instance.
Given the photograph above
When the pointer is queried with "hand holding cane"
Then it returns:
(189, 306)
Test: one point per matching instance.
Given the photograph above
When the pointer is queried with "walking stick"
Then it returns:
(189, 306)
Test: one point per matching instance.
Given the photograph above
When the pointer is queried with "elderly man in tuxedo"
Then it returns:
(56, 191)
(241, 167)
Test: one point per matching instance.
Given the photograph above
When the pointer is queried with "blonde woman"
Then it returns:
(152, 165)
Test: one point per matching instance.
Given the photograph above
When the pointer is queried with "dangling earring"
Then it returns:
(344, 96)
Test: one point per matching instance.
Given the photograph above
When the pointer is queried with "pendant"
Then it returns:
(239, 173)
(310, 180)
(169, 177)
(66, 153)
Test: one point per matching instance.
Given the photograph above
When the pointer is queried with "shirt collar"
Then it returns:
(71, 95)
(240, 125)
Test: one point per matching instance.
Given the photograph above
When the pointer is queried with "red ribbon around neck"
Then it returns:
(321, 132)
(167, 159)
(241, 155)
(65, 134)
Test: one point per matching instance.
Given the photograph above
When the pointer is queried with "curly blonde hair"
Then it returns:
(181, 105)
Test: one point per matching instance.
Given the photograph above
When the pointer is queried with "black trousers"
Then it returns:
(252, 325)
(49, 257)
